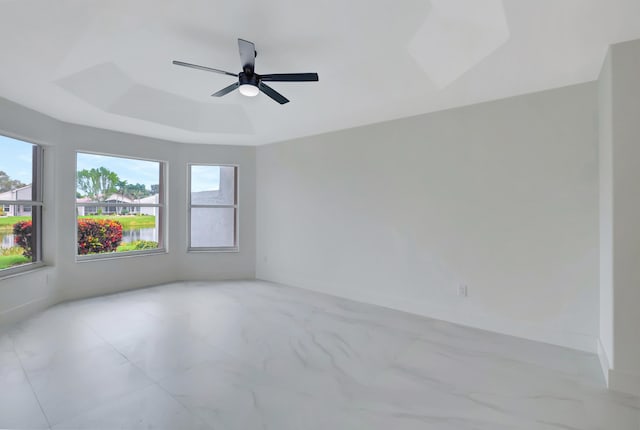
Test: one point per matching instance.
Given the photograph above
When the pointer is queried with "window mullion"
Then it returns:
(21, 202)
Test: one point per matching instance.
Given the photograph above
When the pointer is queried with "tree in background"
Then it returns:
(155, 189)
(7, 184)
(137, 191)
(122, 189)
(98, 184)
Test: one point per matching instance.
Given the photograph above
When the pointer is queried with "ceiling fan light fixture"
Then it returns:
(248, 90)
(250, 83)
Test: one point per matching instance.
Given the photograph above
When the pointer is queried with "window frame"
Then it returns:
(161, 205)
(235, 206)
(37, 207)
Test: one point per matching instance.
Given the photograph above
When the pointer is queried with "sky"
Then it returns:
(205, 178)
(15, 160)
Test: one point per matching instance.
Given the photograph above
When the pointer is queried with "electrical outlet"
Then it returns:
(462, 290)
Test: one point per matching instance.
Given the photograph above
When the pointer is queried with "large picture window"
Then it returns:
(20, 205)
(213, 207)
(119, 205)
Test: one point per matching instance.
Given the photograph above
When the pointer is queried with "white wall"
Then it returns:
(64, 278)
(620, 227)
(501, 196)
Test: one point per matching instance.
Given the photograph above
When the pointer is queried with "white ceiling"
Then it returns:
(108, 63)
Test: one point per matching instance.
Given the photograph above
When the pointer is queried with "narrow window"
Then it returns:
(119, 205)
(20, 205)
(213, 207)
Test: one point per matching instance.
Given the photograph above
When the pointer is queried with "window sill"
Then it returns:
(118, 255)
(25, 269)
(234, 249)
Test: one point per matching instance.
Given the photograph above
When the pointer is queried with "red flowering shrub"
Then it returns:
(98, 235)
(22, 236)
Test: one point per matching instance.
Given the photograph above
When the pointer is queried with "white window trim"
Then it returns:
(162, 215)
(235, 205)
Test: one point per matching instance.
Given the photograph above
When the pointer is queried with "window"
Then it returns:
(213, 208)
(119, 205)
(20, 205)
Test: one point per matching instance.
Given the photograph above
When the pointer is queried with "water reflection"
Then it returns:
(7, 240)
(128, 236)
(135, 234)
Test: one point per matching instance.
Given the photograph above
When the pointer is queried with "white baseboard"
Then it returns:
(604, 361)
(19, 313)
(549, 335)
(624, 382)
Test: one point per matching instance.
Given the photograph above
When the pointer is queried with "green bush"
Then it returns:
(138, 245)
(13, 251)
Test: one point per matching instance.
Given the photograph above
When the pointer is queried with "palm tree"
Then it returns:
(122, 188)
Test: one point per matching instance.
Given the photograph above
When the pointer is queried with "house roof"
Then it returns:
(108, 64)
(119, 198)
(12, 194)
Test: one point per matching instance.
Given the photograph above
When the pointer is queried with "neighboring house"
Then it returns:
(87, 205)
(149, 210)
(23, 193)
(91, 206)
(221, 196)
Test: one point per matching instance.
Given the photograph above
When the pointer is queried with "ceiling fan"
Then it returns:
(250, 83)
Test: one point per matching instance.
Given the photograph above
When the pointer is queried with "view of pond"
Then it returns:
(134, 234)
(130, 235)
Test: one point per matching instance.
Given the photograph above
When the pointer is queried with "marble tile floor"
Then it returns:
(255, 355)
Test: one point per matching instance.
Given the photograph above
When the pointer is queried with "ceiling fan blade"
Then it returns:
(207, 69)
(290, 77)
(247, 55)
(226, 90)
(273, 93)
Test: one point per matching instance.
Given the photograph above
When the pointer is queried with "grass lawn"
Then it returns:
(12, 260)
(128, 221)
(7, 222)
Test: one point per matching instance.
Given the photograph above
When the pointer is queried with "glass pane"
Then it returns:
(212, 227)
(16, 239)
(213, 185)
(18, 244)
(16, 169)
(104, 228)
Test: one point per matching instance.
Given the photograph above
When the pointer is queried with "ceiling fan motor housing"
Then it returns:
(246, 79)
